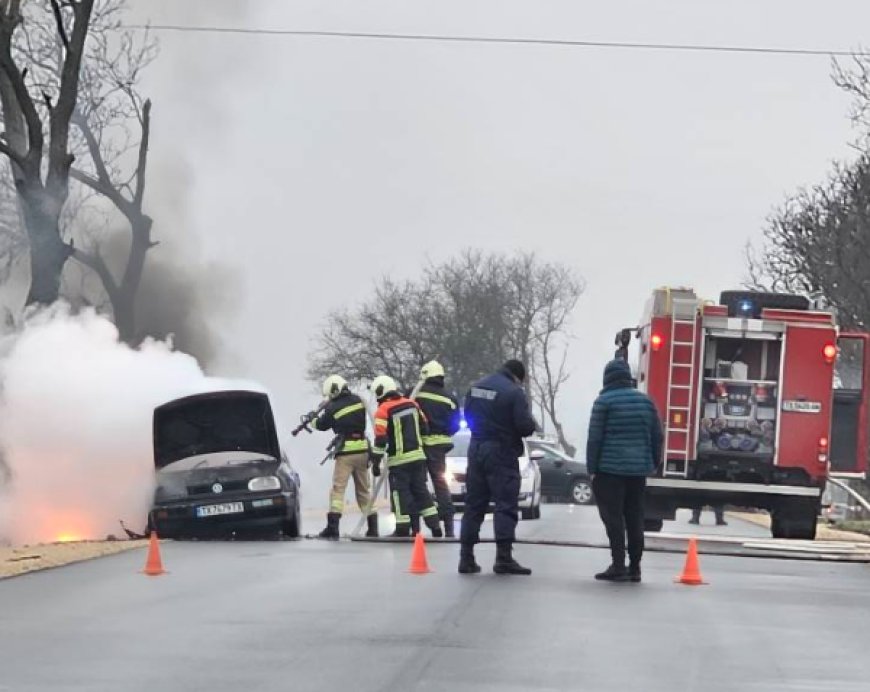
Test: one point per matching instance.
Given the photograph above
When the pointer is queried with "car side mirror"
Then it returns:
(536, 455)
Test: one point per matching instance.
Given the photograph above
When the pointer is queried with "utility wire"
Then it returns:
(441, 38)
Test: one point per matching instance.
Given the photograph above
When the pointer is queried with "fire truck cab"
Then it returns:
(761, 398)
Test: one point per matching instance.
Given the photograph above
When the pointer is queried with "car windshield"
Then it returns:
(460, 445)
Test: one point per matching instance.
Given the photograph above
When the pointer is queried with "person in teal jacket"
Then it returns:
(623, 447)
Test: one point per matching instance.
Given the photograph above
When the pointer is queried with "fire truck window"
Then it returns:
(849, 369)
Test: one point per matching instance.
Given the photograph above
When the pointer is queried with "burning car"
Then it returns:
(220, 468)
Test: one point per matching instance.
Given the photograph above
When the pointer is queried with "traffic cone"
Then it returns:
(691, 575)
(419, 564)
(153, 563)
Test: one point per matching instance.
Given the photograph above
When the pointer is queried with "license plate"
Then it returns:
(802, 406)
(224, 508)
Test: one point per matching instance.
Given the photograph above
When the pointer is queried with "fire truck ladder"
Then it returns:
(678, 424)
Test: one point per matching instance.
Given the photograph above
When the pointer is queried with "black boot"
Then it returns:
(402, 531)
(331, 530)
(372, 520)
(467, 563)
(505, 563)
(415, 524)
(614, 573)
(634, 572)
(434, 526)
(449, 529)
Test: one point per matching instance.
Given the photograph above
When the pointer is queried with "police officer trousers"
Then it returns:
(493, 476)
(410, 494)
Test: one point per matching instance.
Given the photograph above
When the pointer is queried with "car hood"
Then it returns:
(205, 424)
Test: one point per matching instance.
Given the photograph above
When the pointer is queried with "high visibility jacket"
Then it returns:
(399, 429)
(345, 415)
(442, 413)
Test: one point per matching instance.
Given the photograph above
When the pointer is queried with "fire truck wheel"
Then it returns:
(795, 521)
(653, 525)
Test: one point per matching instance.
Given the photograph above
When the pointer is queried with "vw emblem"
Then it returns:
(217, 488)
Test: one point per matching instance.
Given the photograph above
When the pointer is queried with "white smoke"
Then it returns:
(75, 425)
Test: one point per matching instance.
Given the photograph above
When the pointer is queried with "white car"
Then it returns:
(530, 478)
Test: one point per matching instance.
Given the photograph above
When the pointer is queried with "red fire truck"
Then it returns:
(761, 398)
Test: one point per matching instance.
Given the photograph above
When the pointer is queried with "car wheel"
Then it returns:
(581, 492)
(291, 525)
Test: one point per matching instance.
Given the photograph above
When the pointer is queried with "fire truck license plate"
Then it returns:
(225, 508)
(802, 406)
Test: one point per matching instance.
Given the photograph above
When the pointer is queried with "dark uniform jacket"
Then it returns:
(442, 413)
(346, 416)
(399, 430)
(496, 410)
(625, 432)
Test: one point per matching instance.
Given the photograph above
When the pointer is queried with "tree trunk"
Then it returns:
(48, 252)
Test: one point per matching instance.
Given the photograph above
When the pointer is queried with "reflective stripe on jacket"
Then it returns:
(345, 415)
(442, 413)
(399, 429)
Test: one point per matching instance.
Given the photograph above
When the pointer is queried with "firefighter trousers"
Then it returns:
(493, 475)
(410, 494)
(620, 504)
(357, 466)
(436, 463)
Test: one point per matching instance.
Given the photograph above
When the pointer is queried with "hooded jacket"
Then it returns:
(625, 431)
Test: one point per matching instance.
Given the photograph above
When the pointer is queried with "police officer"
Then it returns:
(498, 415)
(345, 415)
(399, 427)
(442, 414)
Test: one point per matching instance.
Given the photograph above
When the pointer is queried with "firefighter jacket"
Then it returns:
(442, 413)
(345, 416)
(497, 410)
(399, 429)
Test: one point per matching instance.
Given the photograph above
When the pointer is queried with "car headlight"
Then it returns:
(264, 483)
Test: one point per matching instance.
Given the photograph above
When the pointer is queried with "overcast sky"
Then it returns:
(316, 166)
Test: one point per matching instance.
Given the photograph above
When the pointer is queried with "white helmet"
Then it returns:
(383, 385)
(333, 386)
(432, 369)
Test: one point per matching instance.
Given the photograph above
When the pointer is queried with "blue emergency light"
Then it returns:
(746, 307)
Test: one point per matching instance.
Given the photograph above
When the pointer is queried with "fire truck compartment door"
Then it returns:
(849, 417)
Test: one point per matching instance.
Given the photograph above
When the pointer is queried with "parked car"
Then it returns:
(530, 482)
(562, 477)
(220, 468)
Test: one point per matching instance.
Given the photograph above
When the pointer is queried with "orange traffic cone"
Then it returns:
(419, 564)
(153, 563)
(691, 571)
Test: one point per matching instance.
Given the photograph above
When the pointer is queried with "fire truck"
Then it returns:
(762, 397)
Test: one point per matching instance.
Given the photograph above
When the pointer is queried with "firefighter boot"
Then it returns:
(467, 563)
(505, 563)
(415, 524)
(434, 526)
(331, 530)
(449, 530)
(372, 520)
(402, 531)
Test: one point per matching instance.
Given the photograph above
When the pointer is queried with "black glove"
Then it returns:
(376, 466)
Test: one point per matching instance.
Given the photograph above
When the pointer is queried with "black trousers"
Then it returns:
(410, 494)
(620, 504)
(493, 475)
(436, 462)
(718, 511)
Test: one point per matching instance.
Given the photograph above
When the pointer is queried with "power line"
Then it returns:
(442, 38)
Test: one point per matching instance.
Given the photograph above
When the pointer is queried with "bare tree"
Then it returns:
(41, 168)
(472, 312)
(854, 79)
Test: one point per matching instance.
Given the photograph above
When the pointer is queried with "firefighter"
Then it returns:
(399, 428)
(442, 415)
(497, 412)
(345, 415)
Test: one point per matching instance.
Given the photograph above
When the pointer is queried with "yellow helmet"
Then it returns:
(432, 369)
(333, 386)
(383, 385)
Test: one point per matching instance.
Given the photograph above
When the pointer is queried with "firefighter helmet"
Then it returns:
(432, 369)
(333, 386)
(383, 385)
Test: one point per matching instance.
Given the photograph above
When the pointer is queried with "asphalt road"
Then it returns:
(316, 615)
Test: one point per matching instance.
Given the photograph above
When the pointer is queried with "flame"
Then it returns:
(67, 538)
